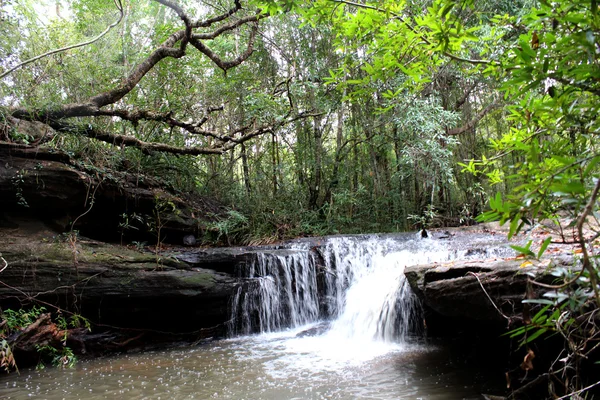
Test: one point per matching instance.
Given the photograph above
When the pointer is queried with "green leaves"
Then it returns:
(544, 246)
(526, 250)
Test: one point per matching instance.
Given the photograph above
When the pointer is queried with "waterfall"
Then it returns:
(279, 290)
(356, 283)
(367, 296)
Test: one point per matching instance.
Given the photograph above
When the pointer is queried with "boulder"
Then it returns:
(489, 290)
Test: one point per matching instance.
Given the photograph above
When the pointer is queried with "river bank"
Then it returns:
(458, 287)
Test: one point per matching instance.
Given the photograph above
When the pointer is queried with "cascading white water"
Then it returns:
(355, 282)
(368, 295)
(279, 291)
(378, 303)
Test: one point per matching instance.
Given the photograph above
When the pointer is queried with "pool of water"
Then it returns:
(273, 366)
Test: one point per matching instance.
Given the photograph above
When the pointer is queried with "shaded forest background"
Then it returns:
(363, 161)
(331, 116)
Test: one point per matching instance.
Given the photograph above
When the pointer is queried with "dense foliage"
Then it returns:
(338, 141)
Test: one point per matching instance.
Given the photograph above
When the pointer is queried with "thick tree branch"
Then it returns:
(166, 50)
(184, 17)
(472, 123)
(91, 107)
(229, 27)
(463, 99)
(130, 141)
(225, 142)
(173, 47)
(136, 76)
(167, 118)
(209, 22)
(225, 65)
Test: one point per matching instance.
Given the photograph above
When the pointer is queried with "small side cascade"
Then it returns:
(278, 290)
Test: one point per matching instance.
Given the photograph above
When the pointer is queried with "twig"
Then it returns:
(5, 263)
(91, 204)
(563, 285)
(529, 385)
(74, 46)
(589, 208)
(579, 391)
(84, 280)
(488, 296)
(32, 298)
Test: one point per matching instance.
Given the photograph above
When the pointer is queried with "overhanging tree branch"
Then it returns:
(74, 46)
(173, 47)
(472, 123)
(224, 142)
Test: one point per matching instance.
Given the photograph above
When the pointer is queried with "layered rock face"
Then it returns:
(481, 290)
(115, 285)
(103, 204)
(50, 205)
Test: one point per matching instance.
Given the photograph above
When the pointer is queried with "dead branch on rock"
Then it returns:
(42, 332)
(488, 296)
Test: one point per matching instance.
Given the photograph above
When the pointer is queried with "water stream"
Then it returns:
(338, 322)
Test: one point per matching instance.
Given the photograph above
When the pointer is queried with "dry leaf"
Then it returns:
(527, 364)
(525, 264)
(535, 41)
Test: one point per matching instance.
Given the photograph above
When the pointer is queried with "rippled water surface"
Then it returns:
(271, 366)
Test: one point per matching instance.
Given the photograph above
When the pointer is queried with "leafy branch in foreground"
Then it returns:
(548, 164)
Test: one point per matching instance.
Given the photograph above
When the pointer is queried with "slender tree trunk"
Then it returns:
(339, 141)
(317, 171)
(245, 169)
(274, 163)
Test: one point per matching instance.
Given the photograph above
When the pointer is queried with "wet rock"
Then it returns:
(315, 330)
(114, 285)
(189, 240)
(481, 290)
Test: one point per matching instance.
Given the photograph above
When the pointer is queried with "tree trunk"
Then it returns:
(246, 170)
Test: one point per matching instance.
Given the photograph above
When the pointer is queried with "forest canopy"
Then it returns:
(311, 117)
